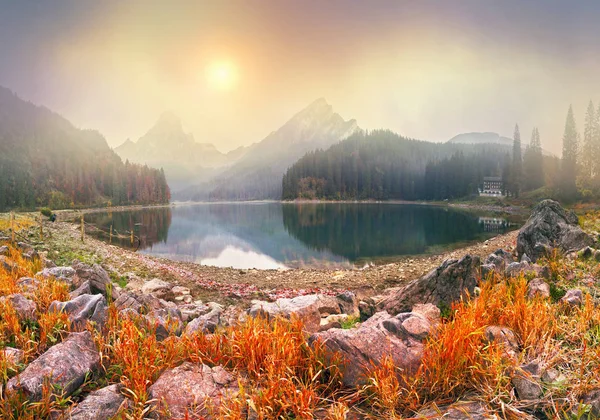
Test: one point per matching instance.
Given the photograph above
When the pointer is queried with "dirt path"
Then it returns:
(225, 285)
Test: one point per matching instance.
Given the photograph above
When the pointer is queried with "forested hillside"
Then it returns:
(383, 165)
(46, 161)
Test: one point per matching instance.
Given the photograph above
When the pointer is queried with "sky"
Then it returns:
(234, 71)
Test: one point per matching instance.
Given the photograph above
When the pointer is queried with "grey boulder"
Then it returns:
(549, 227)
(65, 365)
(442, 286)
(82, 309)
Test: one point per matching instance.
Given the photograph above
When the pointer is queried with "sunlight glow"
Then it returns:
(221, 75)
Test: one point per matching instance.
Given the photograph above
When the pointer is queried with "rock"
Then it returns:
(526, 382)
(102, 404)
(166, 321)
(505, 337)
(459, 411)
(379, 336)
(592, 399)
(553, 376)
(13, 356)
(191, 390)
(525, 259)
(82, 309)
(97, 277)
(7, 264)
(573, 297)
(28, 285)
(84, 289)
(206, 323)
(159, 289)
(26, 309)
(348, 303)
(497, 261)
(64, 365)
(137, 302)
(429, 311)
(548, 227)
(64, 274)
(308, 308)
(25, 247)
(586, 252)
(4, 251)
(538, 287)
(366, 309)
(190, 311)
(180, 291)
(442, 286)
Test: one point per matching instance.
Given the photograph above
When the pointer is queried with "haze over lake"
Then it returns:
(278, 235)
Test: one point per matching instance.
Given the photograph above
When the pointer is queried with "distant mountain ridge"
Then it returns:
(258, 173)
(184, 160)
(481, 138)
(489, 137)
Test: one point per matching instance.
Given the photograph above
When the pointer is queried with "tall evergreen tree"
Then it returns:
(589, 137)
(569, 156)
(596, 147)
(517, 166)
(533, 162)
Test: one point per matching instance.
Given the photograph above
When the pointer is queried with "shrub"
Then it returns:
(46, 211)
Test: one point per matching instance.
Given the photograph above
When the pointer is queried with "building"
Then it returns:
(493, 186)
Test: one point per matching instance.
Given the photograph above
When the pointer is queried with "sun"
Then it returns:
(221, 75)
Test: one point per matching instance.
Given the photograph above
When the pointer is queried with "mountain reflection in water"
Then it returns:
(276, 235)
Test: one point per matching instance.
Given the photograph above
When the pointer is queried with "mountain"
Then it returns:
(480, 138)
(45, 160)
(184, 160)
(257, 174)
(493, 138)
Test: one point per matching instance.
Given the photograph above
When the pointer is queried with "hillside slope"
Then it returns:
(45, 160)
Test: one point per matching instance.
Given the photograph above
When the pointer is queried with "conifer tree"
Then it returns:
(534, 162)
(517, 166)
(589, 137)
(569, 156)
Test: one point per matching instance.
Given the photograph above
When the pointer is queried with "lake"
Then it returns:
(278, 235)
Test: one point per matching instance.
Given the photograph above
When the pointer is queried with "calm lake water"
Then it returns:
(276, 235)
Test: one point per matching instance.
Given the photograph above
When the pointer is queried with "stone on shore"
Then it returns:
(98, 278)
(442, 286)
(82, 309)
(26, 309)
(381, 335)
(102, 404)
(64, 365)
(191, 389)
(549, 227)
(309, 308)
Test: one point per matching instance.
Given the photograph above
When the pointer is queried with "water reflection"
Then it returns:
(274, 235)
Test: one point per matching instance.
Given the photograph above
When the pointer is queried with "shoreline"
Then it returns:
(229, 285)
(509, 209)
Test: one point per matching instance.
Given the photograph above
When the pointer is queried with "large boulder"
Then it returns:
(65, 365)
(206, 323)
(102, 404)
(308, 308)
(96, 276)
(462, 410)
(400, 337)
(64, 274)
(159, 289)
(167, 321)
(549, 227)
(442, 286)
(26, 309)
(82, 309)
(497, 262)
(192, 390)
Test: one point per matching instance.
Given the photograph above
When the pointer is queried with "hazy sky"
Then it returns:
(236, 70)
